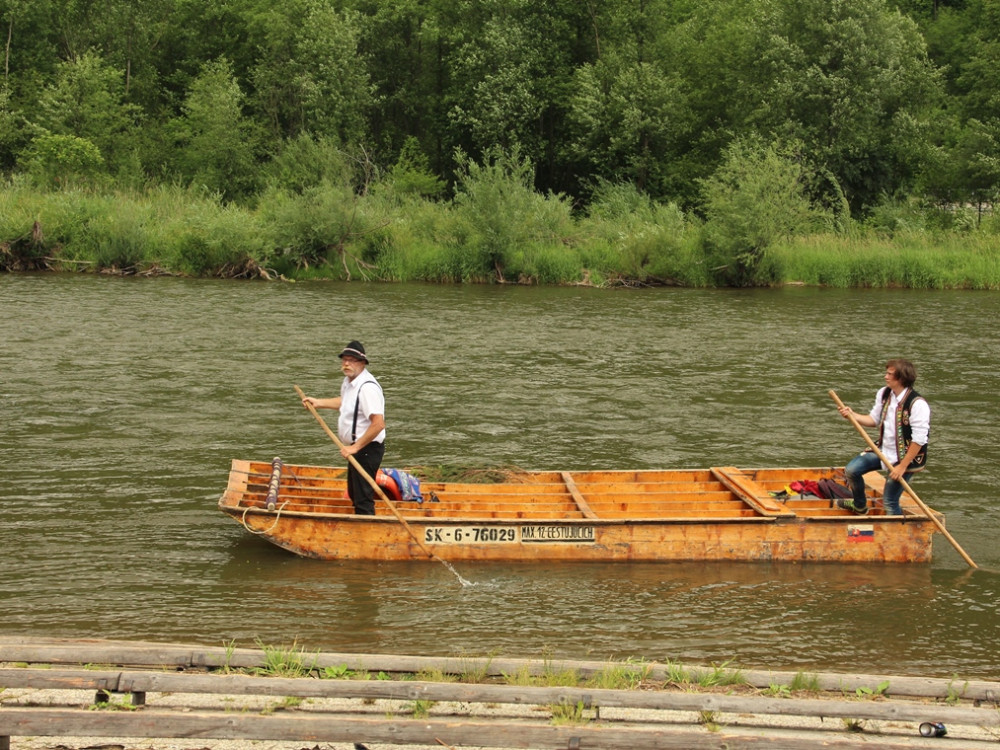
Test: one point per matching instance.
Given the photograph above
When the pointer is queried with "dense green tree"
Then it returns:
(133, 31)
(335, 87)
(308, 77)
(13, 136)
(125, 31)
(192, 33)
(651, 92)
(214, 140)
(849, 80)
(29, 60)
(29, 46)
(964, 41)
(628, 119)
(495, 99)
(627, 109)
(966, 169)
(86, 100)
(921, 10)
(978, 158)
(511, 65)
(979, 79)
(405, 49)
(974, 161)
(862, 101)
(949, 35)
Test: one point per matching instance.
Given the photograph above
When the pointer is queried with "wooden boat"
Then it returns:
(721, 513)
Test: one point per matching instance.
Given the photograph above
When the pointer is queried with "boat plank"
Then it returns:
(745, 488)
(581, 503)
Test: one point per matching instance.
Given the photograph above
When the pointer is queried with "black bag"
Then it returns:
(832, 490)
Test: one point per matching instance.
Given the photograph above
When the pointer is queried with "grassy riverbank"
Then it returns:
(493, 231)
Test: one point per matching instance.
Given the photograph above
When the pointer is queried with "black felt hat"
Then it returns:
(354, 349)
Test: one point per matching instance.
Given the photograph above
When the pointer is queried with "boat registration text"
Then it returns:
(545, 533)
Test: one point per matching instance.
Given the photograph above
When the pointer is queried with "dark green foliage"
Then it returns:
(411, 175)
(647, 92)
(339, 123)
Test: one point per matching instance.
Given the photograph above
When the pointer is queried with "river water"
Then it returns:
(123, 401)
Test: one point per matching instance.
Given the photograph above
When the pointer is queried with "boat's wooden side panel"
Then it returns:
(354, 538)
(236, 489)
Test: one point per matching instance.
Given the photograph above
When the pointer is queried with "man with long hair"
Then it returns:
(903, 419)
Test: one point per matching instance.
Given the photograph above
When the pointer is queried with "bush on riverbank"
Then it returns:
(496, 230)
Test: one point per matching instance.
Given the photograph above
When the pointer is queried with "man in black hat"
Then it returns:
(361, 424)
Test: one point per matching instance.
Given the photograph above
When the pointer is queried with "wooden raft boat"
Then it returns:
(722, 513)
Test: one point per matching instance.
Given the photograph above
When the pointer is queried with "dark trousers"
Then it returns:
(362, 494)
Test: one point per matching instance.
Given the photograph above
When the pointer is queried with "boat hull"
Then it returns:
(716, 514)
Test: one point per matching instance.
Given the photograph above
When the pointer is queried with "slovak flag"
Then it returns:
(861, 533)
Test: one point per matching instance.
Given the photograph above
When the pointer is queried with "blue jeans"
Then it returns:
(860, 465)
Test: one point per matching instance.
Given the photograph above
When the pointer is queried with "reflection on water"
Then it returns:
(784, 616)
(124, 400)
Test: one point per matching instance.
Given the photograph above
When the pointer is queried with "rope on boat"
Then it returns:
(277, 517)
(272, 497)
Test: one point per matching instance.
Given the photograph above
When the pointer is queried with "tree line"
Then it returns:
(753, 119)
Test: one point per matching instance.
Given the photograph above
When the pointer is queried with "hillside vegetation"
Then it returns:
(723, 142)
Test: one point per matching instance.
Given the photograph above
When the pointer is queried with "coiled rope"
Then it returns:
(272, 497)
(277, 516)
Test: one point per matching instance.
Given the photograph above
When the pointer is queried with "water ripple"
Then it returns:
(124, 401)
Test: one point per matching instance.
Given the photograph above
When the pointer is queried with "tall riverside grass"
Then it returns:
(327, 232)
(164, 230)
(916, 260)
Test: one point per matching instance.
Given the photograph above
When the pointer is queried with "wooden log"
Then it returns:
(662, 700)
(49, 722)
(124, 653)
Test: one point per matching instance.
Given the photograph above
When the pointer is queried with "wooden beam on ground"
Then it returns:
(406, 690)
(20, 649)
(48, 722)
